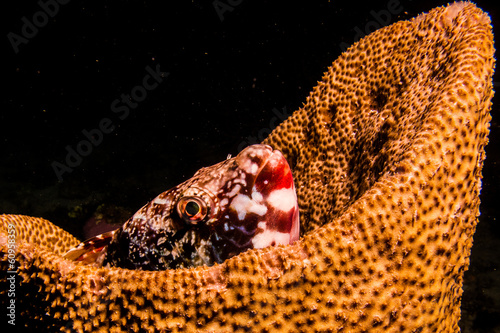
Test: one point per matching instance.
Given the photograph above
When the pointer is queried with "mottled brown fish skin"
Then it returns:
(245, 202)
(386, 154)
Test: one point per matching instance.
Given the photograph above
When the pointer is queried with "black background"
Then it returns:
(225, 78)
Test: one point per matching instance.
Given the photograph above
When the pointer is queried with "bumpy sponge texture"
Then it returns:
(386, 153)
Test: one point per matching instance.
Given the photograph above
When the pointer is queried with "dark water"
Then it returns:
(227, 79)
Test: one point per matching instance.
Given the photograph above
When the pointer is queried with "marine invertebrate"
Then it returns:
(387, 154)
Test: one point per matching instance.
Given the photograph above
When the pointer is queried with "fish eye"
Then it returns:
(192, 209)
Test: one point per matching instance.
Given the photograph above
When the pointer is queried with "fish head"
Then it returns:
(241, 203)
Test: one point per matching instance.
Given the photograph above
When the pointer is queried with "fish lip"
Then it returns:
(258, 154)
(273, 156)
(277, 152)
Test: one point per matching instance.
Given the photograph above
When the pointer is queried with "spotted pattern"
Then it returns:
(386, 153)
(207, 219)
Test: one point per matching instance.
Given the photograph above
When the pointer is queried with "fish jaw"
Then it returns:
(275, 185)
(264, 211)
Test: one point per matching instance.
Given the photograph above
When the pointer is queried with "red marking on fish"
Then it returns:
(244, 202)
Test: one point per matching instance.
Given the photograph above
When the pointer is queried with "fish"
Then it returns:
(245, 202)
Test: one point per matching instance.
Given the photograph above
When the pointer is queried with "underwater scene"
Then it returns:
(106, 106)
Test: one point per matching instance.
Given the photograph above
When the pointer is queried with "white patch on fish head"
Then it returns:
(223, 204)
(249, 167)
(256, 195)
(242, 204)
(283, 199)
(235, 190)
(253, 158)
(267, 237)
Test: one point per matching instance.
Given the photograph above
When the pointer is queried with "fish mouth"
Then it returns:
(275, 171)
(253, 159)
(273, 186)
(275, 182)
(265, 167)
